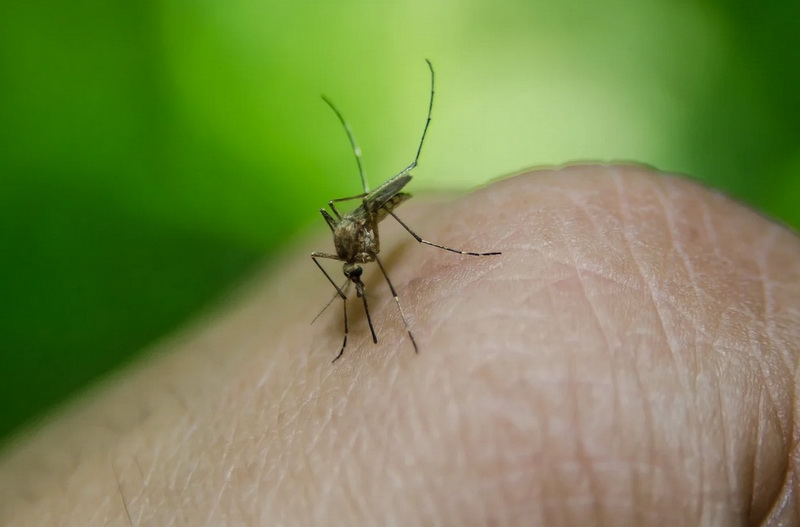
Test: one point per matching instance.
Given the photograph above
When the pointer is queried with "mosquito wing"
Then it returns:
(384, 198)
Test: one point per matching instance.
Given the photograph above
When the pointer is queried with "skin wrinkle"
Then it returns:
(762, 369)
(692, 388)
(700, 296)
(580, 450)
(141, 498)
(565, 481)
(665, 317)
(594, 486)
(359, 448)
(757, 350)
(465, 431)
(784, 510)
(740, 479)
(101, 513)
(765, 378)
(384, 451)
(649, 419)
(711, 232)
(768, 313)
(216, 504)
(794, 457)
(440, 306)
(770, 378)
(229, 443)
(726, 451)
(549, 433)
(756, 458)
(617, 281)
(742, 474)
(698, 439)
(789, 487)
(359, 507)
(675, 246)
(122, 496)
(262, 464)
(449, 430)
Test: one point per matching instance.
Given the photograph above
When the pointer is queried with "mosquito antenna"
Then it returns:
(356, 148)
(427, 123)
(335, 296)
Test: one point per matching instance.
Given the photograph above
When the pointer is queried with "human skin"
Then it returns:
(629, 359)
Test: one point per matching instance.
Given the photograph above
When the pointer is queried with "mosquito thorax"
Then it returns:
(356, 240)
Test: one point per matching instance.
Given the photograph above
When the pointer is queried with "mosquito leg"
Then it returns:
(329, 219)
(348, 198)
(339, 292)
(343, 287)
(399, 307)
(360, 289)
(344, 342)
(314, 257)
(426, 242)
(338, 200)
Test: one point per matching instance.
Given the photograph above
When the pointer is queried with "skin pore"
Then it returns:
(630, 359)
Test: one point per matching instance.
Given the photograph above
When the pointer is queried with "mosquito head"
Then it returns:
(353, 272)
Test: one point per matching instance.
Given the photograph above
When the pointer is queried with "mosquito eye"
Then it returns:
(356, 272)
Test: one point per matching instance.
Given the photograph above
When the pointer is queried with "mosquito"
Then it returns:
(355, 235)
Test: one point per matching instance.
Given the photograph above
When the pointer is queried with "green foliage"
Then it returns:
(152, 153)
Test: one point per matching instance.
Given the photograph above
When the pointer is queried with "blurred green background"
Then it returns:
(154, 153)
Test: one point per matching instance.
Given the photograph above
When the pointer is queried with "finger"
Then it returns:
(631, 350)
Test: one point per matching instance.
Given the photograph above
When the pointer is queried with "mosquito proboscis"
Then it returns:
(355, 234)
